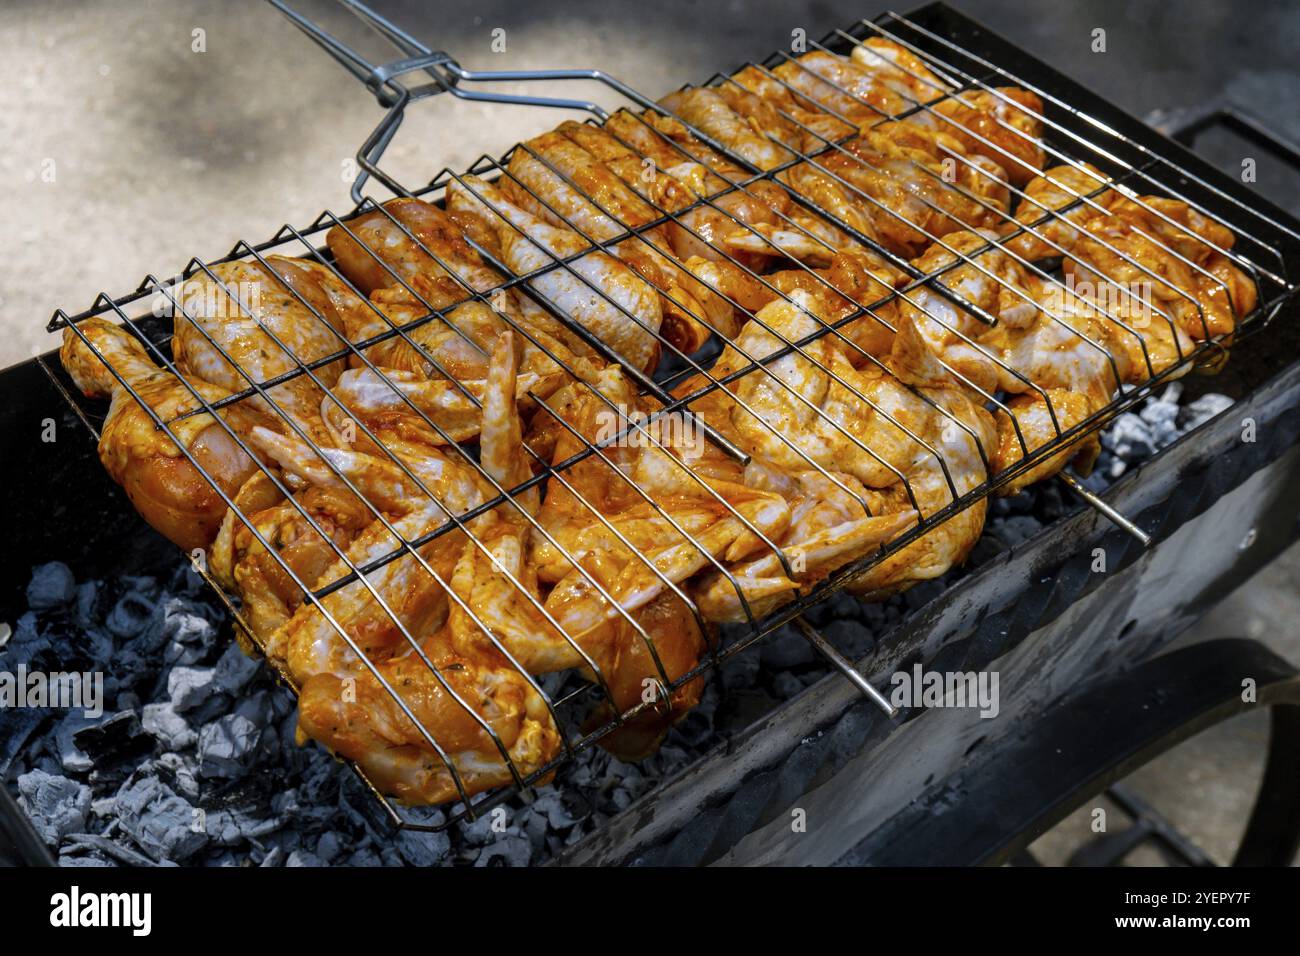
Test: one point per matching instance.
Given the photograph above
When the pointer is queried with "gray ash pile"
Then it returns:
(193, 758)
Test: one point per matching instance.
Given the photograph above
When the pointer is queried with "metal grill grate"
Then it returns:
(687, 378)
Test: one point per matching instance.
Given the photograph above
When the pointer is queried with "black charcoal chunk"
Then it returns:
(787, 648)
(72, 757)
(513, 850)
(108, 849)
(130, 616)
(234, 670)
(118, 737)
(423, 848)
(228, 746)
(52, 585)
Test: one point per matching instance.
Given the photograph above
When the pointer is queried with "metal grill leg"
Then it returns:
(1021, 788)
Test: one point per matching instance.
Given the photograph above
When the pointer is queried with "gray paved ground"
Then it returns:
(124, 151)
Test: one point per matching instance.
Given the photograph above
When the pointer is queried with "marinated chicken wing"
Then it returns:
(165, 486)
(248, 324)
(596, 289)
(1152, 255)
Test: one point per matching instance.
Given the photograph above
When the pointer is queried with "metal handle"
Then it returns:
(384, 81)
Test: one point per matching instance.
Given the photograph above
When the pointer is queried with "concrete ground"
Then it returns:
(139, 135)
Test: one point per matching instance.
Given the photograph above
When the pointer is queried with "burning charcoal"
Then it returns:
(256, 709)
(273, 857)
(785, 649)
(26, 642)
(330, 847)
(302, 858)
(1202, 410)
(227, 746)
(479, 832)
(786, 685)
(232, 826)
(179, 773)
(234, 670)
(107, 848)
(167, 726)
(849, 638)
(86, 598)
(568, 809)
(508, 851)
(182, 655)
(695, 729)
(73, 759)
(1161, 417)
(52, 585)
(160, 822)
(356, 802)
(190, 686)
(741, 670)
(16, 726)
(130, 616)
(535, 828)
(366, 856)
(57, 805)
(1130, 438)
(118, 737)
(422, 848)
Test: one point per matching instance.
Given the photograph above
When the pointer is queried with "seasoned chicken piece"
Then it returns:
(431, 385)
(1049, 234)
(168, 490)
(358, 718)
(476, 686)
(556, 179)
(1003, 126)
(800, 411)
(889, 441)
(1159, 258)
(597, 290)
(629, 664)
(265, 580)
(248, 327)
(640, 170)
(915, 193)
(939, 341)
(414, 506)
(1169, 270)
(829, 528)
(416, 242)
(1031, 425)
(706, 110)
(627, 520)
(859, 92)
(962, 435)
(666, 147)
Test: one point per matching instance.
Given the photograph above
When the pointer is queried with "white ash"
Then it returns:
(194, 760)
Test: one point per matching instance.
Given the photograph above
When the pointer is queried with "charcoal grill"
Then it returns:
(840, 750)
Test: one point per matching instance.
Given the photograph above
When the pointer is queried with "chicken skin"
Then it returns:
(165, 485)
